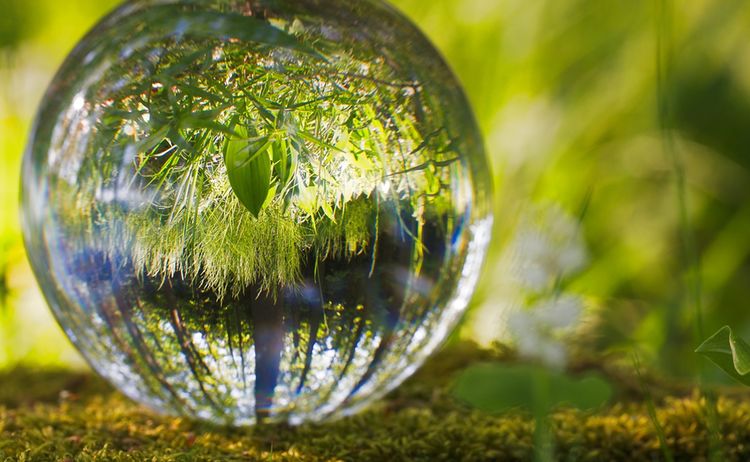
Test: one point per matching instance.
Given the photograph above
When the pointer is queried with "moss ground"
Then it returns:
(65, 416)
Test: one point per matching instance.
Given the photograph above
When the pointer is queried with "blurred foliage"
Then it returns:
(17, 22)
(497, 387)
(567, 94)
(34, 39)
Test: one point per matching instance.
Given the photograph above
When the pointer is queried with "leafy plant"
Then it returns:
(729, 352)
(241, 158)
(499, 387)
(249, 170)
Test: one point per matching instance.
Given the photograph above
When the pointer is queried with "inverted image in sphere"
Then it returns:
(256, 210)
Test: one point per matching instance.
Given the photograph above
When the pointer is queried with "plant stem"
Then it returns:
(693, 291)
(651, 409)
(543, 442)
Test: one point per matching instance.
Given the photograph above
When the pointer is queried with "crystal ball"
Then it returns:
(247, 211)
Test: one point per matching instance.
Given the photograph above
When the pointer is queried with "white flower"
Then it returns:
(540, 330)
(562, 313)
(547, 246)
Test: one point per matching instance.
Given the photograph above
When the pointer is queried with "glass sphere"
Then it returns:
(256, 210)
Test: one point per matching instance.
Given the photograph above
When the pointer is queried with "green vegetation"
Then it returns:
(730, 353)
(237, 154)
(635, 112)
(420, 422)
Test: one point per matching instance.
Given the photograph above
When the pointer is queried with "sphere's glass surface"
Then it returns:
(256, 210)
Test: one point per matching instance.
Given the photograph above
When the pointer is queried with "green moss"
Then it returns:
(418, 422)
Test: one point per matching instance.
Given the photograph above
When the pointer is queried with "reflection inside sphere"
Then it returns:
(260, 211)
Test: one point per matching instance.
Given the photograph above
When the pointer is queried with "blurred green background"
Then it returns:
(630, 116)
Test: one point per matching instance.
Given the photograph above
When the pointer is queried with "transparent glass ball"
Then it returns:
(256, 210)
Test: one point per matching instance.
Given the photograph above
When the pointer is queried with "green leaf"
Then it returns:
(730, 353)
(309, 137)
(271, 194)
(496, 387)
(196, 92)
(152, 141)
(182, 65)
(264, 112)
(285, 162)
(249, 169)
(328, 210)
(198, 121)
